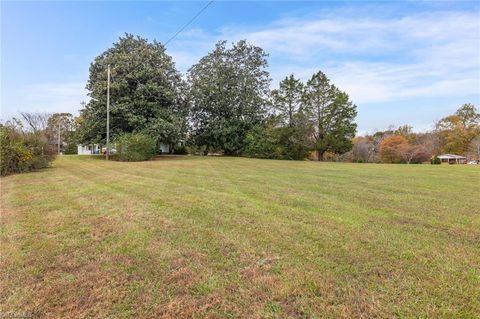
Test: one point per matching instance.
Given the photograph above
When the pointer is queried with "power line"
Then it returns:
(175, 35)
(188, 23)
(108, 72)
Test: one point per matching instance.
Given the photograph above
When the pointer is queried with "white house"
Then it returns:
(452, 159)
(88, 149)
(165, 148)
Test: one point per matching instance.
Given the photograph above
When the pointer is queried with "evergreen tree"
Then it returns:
(287, 99)
(331, 114)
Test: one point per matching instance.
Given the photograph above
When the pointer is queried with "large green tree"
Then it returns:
(147, 93)
(286, 100)
(331, 114)
(228, 91)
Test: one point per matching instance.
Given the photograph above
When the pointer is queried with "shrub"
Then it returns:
(294, 143)
(273, 142)
(435, 160)
(262, 142)
(197, 150)
(132, 147)
(71, 147)
(23, 151)
(182, 150)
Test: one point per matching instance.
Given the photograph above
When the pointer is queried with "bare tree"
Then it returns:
(362, 149)
(474, 149)
(35, 121)
(59, 125)
(412, 153)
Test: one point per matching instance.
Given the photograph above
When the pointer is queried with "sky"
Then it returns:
(410, 62)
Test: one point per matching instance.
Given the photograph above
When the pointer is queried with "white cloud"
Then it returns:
(374, 59)
(383, 82)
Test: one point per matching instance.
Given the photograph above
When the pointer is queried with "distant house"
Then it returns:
(91, 149)
(165, 148)
(452, 159)
(88, 149)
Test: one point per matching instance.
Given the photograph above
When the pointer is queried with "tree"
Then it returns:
(146, 93)
(272, 140)
(263, 141)
(362, 149)
(474, 148)
(430, 141)
(228, 91)
(458, 130)
(286, 100)
(35, 121)
(421, 147)
(394, 148)
(59, 125)
(468, 115)
(332, 115)
(49, 126)
(296, 139)
(413, 153)
(407, 132)
(404, 130)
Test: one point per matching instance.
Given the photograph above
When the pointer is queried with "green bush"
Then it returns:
(435, 160)
(273, 142)
(262, 142)
(133, 147)
(23, 151)
(182, 150)
(71, 147)
(196, 149)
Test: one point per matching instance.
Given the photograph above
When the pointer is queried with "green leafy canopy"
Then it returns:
(229, 88)
(146, 93)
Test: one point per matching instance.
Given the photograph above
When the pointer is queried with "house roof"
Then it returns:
(451, 156)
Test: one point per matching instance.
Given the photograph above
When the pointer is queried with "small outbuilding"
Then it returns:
(452, 159)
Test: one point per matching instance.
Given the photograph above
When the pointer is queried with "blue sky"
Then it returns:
(401, 62)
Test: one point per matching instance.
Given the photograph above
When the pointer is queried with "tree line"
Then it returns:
(223, 105)
(458, 133)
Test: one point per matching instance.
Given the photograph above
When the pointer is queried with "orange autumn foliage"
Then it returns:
(392, 148)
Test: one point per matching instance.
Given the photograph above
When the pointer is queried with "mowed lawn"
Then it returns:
(195, 237)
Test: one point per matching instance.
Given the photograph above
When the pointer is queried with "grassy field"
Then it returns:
(183, 237)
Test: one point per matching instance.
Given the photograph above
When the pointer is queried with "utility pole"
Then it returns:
(58, 135)
(108, 112)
